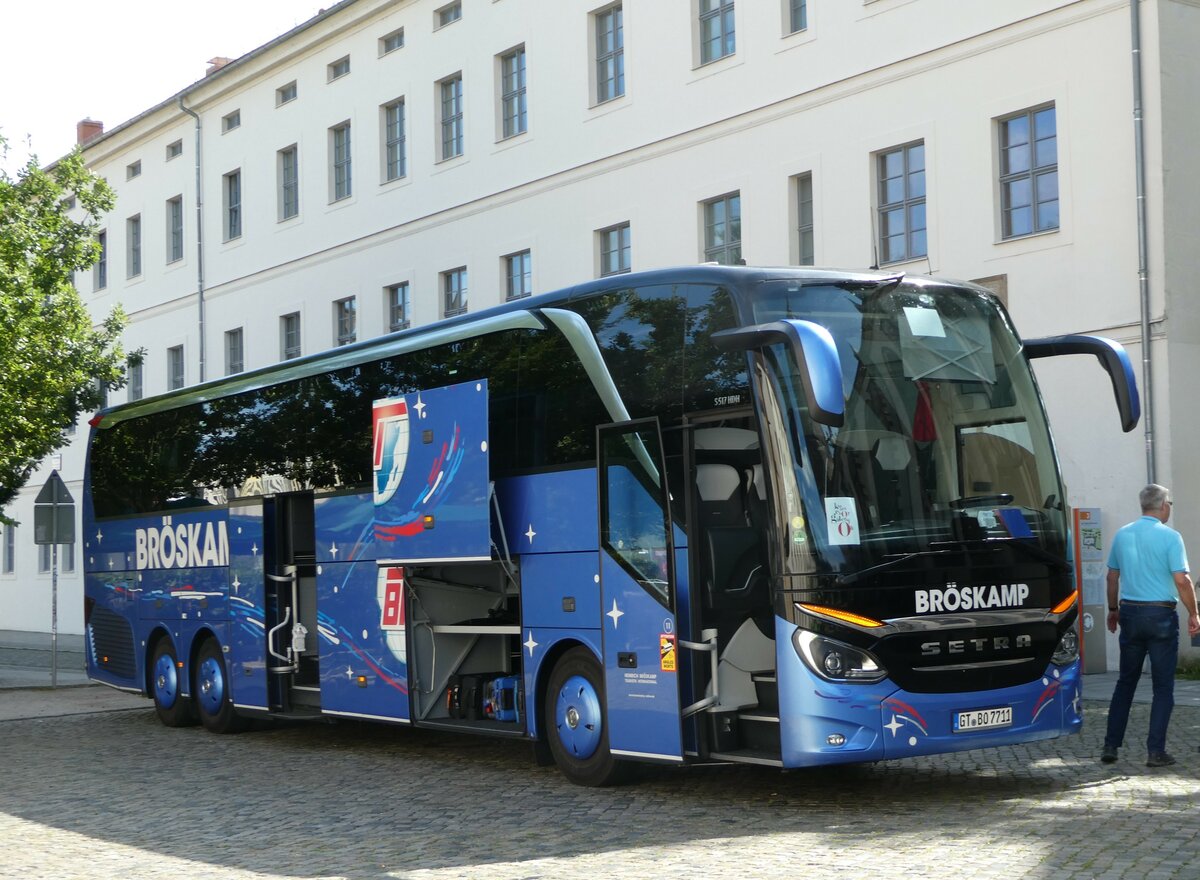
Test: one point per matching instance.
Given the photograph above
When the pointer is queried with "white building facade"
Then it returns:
(392, 162)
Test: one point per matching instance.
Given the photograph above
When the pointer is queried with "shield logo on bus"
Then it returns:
(390, 419)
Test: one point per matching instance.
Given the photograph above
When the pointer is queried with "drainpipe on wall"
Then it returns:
(199, 233)
(1143, 248)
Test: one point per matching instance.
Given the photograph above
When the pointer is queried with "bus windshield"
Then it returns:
(944, 442)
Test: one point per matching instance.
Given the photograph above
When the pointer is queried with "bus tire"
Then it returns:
(212, 692)
(170, 705)
(577, 722)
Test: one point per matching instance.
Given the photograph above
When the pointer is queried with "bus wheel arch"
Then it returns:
(210, 688)
(165, 680)
(576, 720)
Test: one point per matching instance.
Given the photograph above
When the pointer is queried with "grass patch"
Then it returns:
(1189, 669)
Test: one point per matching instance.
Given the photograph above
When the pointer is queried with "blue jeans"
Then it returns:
(1153, 630)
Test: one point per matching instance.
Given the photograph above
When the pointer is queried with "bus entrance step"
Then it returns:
(759, 731)
(766, 687)
(748, 756)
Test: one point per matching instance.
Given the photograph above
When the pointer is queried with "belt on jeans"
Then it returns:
(1155, 604)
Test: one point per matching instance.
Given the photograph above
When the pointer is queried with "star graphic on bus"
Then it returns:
(616, 614)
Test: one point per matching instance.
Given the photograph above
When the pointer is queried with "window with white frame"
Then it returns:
(345, 321)
(614, 250)
(232, 204)
(901, 189)
(389, 43)
(723, 230)
(235, 361)
(133, 246)
(8, 562)
(448, 14)
(804, 220)
(100, 270)
(289, 336)
(340, 171)
(1029, 172)
(518, 275)
(512, 92)
(399, 308)
(797, 15)
(230, 121)
(135, 386)
(285, 93)
(288, 169)
(45, 558)
(454, 292)
(395, 144)
(66, 558)
(133, 169)
(610, 53)
(338, 69)
(717, 32)
(175, 229)
(175, 148)
(175, 376)
(450, 92)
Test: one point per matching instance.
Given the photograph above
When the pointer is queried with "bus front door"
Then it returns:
(637, 588)
(291, 582)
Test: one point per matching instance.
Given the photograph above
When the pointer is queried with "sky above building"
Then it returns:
(67, 60)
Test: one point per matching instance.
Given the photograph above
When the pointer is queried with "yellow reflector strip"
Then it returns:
(1065, 603)
(856, 619)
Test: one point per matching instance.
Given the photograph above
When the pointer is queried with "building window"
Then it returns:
(175, 229)
(448, 14)
(1029, 172)
(230, 121)
(289, 336)
(286, 93)
(454, 292)
(610, 54)
(9, 563)
(133, 246)
(804, 220)
(66, 558)
(614, 250)
(100, 270)
(134, 169)
(797, 15)
(235, 360)
(345, 321)
(512, 92)
(717, 38)
(451, 91)
(723, 230)
(394, 146)
(135, 382)
(902, 203)
(391, 42)
(175, 148)
(174, 367)
(288, 169)
(339, 68)
(45, 552)
(340, 139)
(398, 306)
(518, 272)
(232, 193)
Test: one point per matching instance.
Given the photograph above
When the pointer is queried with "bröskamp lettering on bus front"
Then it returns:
(186, 545)
(955, 598)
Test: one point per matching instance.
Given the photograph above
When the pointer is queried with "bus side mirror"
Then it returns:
(814, 352)
(1112, 357)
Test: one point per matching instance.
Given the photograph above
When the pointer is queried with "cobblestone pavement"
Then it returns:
(116, 795)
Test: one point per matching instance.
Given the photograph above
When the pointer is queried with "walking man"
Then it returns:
(1147, 570)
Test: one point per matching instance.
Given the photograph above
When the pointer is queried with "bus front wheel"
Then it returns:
(170, 705)
(212, 692)
(576, 721)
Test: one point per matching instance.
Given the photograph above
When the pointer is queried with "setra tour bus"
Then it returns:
(789, 517)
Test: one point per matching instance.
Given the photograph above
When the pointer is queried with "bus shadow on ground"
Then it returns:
(367, 801)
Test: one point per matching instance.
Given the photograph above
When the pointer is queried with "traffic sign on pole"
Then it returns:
(54, 524)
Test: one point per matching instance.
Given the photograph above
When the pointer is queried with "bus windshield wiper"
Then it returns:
(941, 549)
(846, 580)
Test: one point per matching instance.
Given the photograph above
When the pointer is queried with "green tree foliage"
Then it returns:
(55, 362)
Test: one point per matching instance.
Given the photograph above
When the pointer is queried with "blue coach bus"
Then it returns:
(789, 517)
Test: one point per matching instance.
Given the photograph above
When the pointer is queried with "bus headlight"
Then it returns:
(836, 661)
(1067, 651)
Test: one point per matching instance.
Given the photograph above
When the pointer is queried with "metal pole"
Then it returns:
(1139, 162)
(54, 610)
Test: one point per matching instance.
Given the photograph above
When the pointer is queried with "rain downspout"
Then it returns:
(1143, 248)
(199, 234)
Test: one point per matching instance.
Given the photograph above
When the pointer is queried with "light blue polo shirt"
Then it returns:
(1147, 553)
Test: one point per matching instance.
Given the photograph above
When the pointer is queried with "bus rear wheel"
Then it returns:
(212, 692)
(576, 722)
(172, 707)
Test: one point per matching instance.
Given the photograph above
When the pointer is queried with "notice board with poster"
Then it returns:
(1090, 576)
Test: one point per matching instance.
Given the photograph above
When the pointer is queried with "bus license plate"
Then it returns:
(983, 719)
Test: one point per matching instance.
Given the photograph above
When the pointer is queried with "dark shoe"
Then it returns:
(1160, 759)
(1109, 755)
